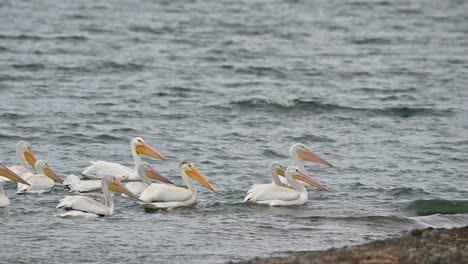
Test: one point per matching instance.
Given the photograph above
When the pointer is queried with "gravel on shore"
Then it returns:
(418, 246)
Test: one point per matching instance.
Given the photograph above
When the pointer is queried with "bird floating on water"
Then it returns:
(25, 155)
(7, 173)
(138, 147)
(40, 182)
(163, 196)
(85, 207)
(281, 195)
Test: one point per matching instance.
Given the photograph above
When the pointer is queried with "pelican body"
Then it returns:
(7, 173)
(41, 182)
(145, 172)
(75, 184)
(25, 156)
(163, 196)
(85, 207)
(138, 147)
(276, 169)
(282, 196)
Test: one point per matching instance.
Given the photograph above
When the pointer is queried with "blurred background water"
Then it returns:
(378, 88)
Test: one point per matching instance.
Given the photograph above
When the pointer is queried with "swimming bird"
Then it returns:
(298, 153)
(144, 171)
(163, 196)
(279, 195)
(41, 182)
(24, 155)
(7, 173)
(75, 184)
(138, 147)
(276, 169)
(84, 207)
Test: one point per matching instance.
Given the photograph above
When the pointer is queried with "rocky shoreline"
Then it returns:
(418, 246)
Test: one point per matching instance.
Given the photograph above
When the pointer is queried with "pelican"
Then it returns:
(279, 195)
(276, 169)
(75, 184)
(298, 153)
(25, 155)
(138, 147)
(39, 183)
(163, 196)
(144, 171)
(85, 207)
(7, 173)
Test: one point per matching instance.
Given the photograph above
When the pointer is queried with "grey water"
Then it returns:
(377, 88)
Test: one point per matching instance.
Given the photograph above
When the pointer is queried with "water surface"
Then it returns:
(378, 88)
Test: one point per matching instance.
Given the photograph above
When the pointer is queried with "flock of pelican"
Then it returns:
(287, 187)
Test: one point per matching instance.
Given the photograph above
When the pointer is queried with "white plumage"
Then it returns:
(275, 169)
(7, 173)
(24, 155)
(144, 172)
(4, 201)
(75, 184)
(166, 196)
(138, 147)
(279, 195)
(100, 168)
(82, 206)
(298, 153)
(41, 182)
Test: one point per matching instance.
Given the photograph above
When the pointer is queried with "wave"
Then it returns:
(438, 206)
(373, 41)
(29, 66)
(319, 107)
(37, 38)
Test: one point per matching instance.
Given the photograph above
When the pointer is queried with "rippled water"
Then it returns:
(378, 88)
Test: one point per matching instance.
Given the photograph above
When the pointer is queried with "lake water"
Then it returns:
(378, 88)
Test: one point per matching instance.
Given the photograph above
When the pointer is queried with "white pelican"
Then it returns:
(41, 182)
(85, 207)
(25, 155)
(276, 169)
(7, 173)
(144, 171)
(167, 196)
(138, 147)
(279, 195)
(298, 153)
(75, 184)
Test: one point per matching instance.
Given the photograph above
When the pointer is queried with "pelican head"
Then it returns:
(277, 168)
(115, 185)
(295, 173)
(43, 168)
(5, 172)
(303, 152)
(141, 148)
(187, 168)
(24, 152)
(145, 169)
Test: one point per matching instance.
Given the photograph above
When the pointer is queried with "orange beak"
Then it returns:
(51, 174)
(118, 187)
(5, 172)
(302, 177)
(309, 155)
(147, 150)
(196, 175)
(153, 174)
(30, 158)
